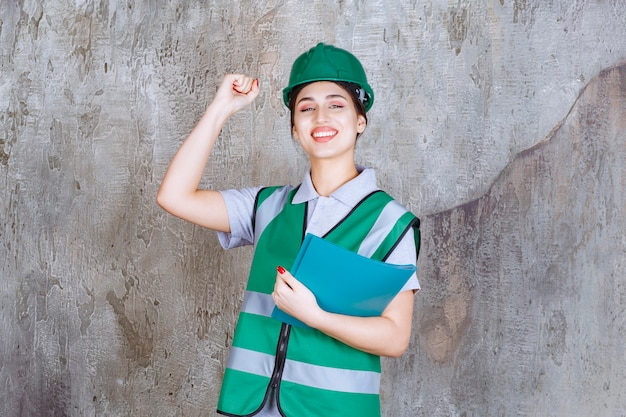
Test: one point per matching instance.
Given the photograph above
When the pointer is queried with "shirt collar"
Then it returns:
(350, 193)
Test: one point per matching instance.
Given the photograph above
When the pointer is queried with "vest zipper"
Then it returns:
(277, 373)
(281, 356)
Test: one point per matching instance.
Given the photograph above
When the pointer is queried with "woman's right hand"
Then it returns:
(236, 92)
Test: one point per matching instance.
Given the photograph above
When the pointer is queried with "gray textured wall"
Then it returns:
(501, 123)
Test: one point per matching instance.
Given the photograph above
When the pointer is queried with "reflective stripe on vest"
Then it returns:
(268, 210)
(385, 222)
(322, 377)
(258, 303)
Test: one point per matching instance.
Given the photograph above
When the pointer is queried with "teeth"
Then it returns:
(323, 134)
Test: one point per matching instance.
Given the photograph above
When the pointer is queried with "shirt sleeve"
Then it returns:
(406, 253)
(240, 208)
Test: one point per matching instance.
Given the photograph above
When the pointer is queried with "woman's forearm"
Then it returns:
(386, 335)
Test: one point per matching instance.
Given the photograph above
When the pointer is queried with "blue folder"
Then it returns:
(343, 281)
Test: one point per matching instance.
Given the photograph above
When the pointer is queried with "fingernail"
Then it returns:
(281, 270)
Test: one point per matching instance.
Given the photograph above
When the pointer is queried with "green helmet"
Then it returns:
(328, 63)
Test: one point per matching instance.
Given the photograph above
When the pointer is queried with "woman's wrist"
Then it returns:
(218, 113)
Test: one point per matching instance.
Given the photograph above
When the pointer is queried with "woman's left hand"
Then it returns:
(385, 335)
(292, 297)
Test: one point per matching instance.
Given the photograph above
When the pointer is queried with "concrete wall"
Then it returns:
(501, 123)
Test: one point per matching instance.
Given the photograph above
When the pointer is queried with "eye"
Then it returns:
(336, 103)
(306, 108)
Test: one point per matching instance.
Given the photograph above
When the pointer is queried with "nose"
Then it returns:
(321, 114)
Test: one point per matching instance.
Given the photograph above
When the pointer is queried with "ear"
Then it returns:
(294, 134)
(361, 123)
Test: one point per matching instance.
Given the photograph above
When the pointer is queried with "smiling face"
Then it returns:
(326, 122)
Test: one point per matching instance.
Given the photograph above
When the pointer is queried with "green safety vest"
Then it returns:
(310, 373)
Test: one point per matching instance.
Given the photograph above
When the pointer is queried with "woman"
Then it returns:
(331, 368)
